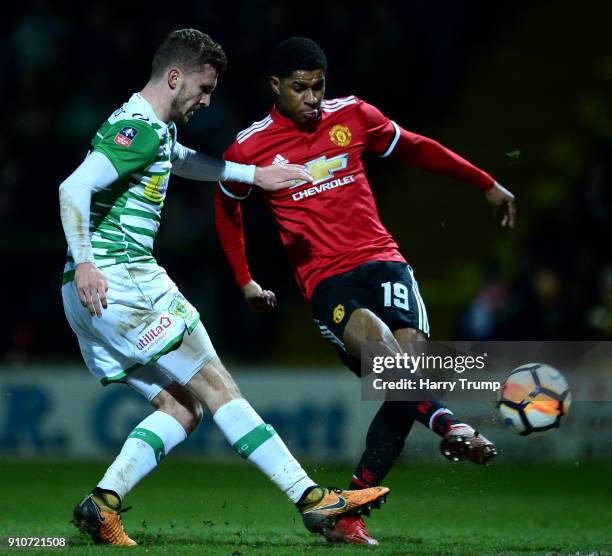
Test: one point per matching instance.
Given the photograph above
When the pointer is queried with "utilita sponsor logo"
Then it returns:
(153, 333)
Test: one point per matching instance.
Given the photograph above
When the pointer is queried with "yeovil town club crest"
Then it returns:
(340, 135)
(181, 308)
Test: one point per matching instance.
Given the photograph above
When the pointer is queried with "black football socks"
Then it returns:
(387, 434)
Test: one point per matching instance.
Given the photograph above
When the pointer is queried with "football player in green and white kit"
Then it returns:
(133, 325)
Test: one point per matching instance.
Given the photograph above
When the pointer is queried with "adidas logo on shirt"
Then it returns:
(280, 159)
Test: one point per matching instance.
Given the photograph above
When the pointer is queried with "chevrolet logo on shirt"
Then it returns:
(322, 187)
(323, 168)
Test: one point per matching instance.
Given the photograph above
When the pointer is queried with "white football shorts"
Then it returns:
(149, 335)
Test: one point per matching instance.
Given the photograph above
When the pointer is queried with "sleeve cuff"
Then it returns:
(393, 141)
(233, 195)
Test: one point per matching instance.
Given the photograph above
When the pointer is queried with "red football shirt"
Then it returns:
(332, 225)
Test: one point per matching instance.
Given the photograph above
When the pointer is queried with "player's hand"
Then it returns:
(503, 200)
(280, 176)
(92, 286)
(259, 299)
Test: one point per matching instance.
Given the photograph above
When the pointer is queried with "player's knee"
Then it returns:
(364, 325)
(218, 379)
(177, 402)
(410, 340)
(213, 386)
(192, 416)
(189, 415)
(409, 335)
(195, 418)
(365, 329)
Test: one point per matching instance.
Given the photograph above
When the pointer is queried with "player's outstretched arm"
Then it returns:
(280, 176)
(94, 174)
(503, 200)
(194, 165)
(430, 155)
(259, 299)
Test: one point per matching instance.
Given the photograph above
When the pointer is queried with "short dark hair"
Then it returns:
(297, 53)
(189, 49)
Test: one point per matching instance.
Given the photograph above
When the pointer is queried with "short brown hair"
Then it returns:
(188, 49)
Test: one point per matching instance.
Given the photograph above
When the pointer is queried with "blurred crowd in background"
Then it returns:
(521, 89)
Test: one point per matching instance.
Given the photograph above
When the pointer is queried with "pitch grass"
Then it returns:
(200, 508)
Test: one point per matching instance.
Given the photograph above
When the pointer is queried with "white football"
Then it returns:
(534, 398)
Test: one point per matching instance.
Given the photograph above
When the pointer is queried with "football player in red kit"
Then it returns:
(345, 262)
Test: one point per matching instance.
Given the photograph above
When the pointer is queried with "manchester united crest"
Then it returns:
(340, 135)
(338, 313)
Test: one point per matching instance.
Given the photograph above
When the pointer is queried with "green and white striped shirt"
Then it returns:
(125, 217)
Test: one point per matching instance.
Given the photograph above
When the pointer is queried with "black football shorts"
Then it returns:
(388, 289)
